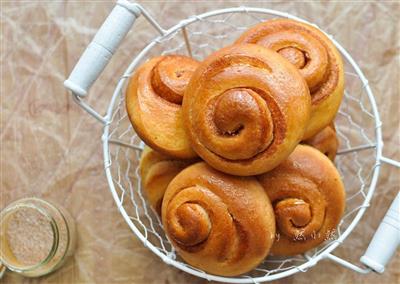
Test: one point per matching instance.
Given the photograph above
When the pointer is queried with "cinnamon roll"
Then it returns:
(325, 141)
(219, 223)
(245, 109)
(315, 56)
(308, 198)
(156, 172)
(153, 102)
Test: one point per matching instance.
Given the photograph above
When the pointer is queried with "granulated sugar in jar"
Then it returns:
(35, 236)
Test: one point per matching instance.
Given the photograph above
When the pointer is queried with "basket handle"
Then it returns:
(99, 52)
(387, 238)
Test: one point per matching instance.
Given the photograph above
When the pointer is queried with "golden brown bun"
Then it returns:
(314, 55)
(219, 223)
(245, 109)
(325, 141)
(308, 198)
(153, 102)
(156, 172)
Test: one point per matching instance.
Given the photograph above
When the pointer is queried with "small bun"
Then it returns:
(219, 223)
(245, 109)
(325, 141)
(153, 102)
(308, 199)
(156, 171)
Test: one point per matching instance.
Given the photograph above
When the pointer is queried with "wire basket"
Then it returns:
(357, 123)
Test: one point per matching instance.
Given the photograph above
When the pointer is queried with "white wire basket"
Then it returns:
(358, 127)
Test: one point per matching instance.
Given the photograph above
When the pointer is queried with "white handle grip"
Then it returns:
(386, 239)
(106, 41)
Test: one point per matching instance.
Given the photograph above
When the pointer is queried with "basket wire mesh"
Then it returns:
(357, 124)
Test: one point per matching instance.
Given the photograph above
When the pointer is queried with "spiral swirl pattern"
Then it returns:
(219, 223)
(153, 101)
(325, 141)
(308, 199)
(245, 109)
(316, 58)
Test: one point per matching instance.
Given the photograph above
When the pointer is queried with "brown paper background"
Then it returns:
(52, 149)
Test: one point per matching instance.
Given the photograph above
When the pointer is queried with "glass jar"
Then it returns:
(35, 236)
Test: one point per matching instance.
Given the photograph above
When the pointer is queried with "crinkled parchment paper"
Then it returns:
(52, 149)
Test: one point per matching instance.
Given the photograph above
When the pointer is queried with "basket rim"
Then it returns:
(311, 261)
